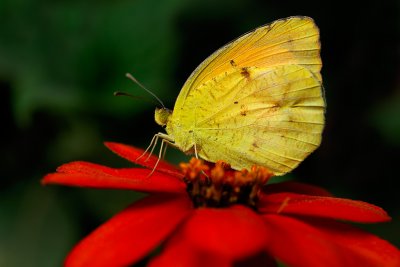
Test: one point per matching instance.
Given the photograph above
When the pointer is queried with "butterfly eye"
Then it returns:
(161, 116)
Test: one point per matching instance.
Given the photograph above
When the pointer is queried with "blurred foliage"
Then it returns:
(60, 62)
(385, 117)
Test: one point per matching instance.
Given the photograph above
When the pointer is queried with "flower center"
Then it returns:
(217, 185)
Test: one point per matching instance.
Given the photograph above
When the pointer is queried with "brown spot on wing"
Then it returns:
(233, 63)
(275, 107)
(243, 110)
(245, 73)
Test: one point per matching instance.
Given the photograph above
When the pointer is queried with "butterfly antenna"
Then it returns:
(129, 76)
(120, 93)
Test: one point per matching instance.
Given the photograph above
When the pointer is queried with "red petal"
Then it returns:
(366, 249)
(215, 237)
(131, 234)
(179, 252)
(296, 187)
(233, 233)
(97, 176)
(323, 243)
(327, 207)
(132, 154)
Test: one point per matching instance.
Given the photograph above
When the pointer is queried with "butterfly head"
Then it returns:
(162, 116)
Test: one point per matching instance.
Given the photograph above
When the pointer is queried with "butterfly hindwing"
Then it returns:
(269, 116)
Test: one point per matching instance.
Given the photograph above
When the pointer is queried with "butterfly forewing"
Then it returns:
(294, 40)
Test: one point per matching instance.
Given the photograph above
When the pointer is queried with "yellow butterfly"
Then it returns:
(256, 101)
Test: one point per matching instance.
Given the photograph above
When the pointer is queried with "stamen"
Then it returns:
(194, 168)
(217, 185)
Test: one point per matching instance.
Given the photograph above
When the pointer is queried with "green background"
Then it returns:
(61, 61)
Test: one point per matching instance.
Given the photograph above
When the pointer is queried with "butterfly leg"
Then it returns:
(153, 143)
(163, 148)
(195, 151)
(153, 147)
(164, 152)
(197, 157)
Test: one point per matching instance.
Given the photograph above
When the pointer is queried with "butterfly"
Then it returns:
(258, 100)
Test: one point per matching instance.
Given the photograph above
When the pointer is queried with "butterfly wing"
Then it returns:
(294, 40)
(271, 117)
(257, 100)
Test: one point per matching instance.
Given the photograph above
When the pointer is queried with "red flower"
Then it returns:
(212, 216)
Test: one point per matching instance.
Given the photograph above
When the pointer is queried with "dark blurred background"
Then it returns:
(61, 61)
